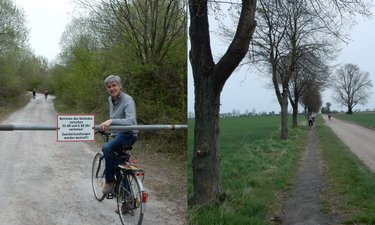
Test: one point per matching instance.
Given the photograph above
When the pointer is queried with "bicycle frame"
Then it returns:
(137, 176)
(128, 184)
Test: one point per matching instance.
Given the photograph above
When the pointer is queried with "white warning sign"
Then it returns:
(75, 127)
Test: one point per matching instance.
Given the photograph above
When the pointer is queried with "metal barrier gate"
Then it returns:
(12, 127)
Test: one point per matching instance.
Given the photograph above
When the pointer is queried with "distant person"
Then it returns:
(45, 93)
(329, 116)
(34, 93)
(311, 121)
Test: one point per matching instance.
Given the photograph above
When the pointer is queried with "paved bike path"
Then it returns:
(360, 140)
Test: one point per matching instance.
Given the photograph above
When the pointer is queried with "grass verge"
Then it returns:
(364, 119)
(256, 165)
(350, 188)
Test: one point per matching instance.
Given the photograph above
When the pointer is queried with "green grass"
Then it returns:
(256, 165)
(11, 105)
(351, 186)
(364, 119)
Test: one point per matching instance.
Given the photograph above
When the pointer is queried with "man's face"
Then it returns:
(113, 89)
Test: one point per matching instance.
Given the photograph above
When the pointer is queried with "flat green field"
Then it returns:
(364, 119)
(255, 167)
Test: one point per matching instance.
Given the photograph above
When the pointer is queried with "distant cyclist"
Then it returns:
(45, 93)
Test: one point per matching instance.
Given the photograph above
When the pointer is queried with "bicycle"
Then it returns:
(128, 189)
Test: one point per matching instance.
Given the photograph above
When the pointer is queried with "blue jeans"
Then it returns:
(110, 154)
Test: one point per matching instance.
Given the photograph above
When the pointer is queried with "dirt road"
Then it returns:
(360, 140)
(45, 182)
(301, 206)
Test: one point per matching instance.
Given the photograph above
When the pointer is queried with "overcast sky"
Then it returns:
(246, 90)
(46, 20)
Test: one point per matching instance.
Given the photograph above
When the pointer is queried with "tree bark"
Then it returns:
(295, 113)
(206, 162)
(284, 116)
(282, 98)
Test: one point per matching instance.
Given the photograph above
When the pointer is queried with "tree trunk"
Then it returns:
(282, 98)
(295, 114)
(206, 163)
(350, 110)
(284, 116)
(209, 80)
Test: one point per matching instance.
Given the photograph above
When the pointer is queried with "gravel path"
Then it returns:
(49, 183)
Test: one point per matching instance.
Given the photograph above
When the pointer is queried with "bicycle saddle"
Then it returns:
(123, 150)
(126, 148)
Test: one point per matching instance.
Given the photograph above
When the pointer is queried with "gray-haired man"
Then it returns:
(122, 112)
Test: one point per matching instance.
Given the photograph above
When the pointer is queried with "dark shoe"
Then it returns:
(108, 187)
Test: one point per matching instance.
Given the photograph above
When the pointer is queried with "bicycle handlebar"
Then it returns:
(105, 135)
(101, 132)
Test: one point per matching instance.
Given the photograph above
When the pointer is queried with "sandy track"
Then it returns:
(360, 140)
(44, 182)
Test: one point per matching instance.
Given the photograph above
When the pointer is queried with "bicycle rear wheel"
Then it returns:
(130, 202)
(97, 176)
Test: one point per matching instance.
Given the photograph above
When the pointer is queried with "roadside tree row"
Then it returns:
(291, 41)
(20, 68)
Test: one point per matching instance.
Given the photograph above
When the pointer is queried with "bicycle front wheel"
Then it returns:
(97, 176)
(130, 200)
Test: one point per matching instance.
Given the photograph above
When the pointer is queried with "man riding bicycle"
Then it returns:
(122, 111)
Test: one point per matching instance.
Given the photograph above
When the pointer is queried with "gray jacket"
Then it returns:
(123, 111)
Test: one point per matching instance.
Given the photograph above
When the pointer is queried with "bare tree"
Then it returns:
(210, 77)
(351, 86)
(149, 27)
(290, 30)
(269, 49)
(209, 80)
(290, 36)
(310, 70)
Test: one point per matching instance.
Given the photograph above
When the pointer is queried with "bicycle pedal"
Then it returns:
(110, 196)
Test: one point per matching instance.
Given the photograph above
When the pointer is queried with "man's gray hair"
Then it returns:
(113, 78)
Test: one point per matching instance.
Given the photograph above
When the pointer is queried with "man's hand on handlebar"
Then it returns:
(105, 125)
